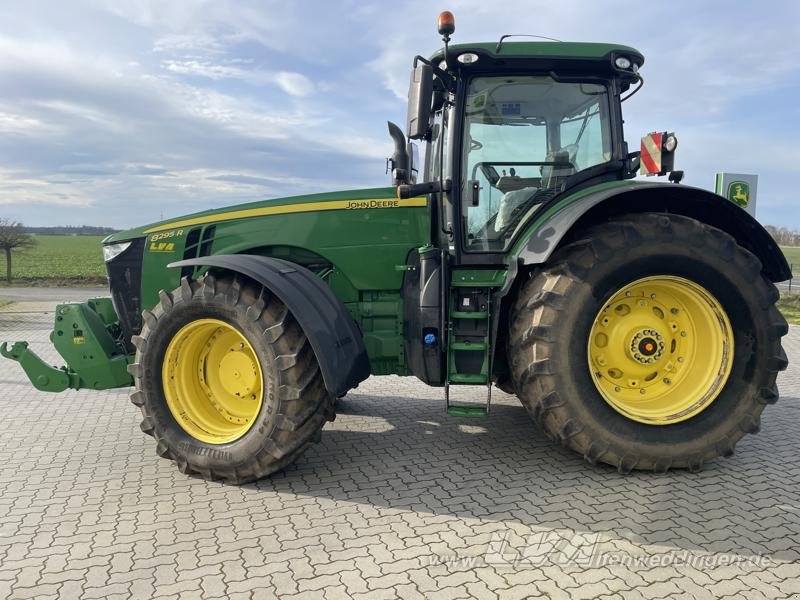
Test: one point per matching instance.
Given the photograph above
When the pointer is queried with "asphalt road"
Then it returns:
(398, 500)
(792, 285)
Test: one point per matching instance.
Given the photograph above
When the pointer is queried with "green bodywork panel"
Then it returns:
(539, 218)
(87, 336)
(355, 240)
(478, 278)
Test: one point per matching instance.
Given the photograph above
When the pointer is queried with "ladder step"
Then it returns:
(460, 314)
(464, 410)
(468, 345)
(475, 378)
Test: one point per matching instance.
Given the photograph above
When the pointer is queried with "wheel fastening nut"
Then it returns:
(667, 380)
(641, 390)
(616, 388)
(683, 334)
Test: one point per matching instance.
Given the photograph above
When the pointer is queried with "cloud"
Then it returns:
(295, 84)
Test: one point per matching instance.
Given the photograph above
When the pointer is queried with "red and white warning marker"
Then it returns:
(650, 157)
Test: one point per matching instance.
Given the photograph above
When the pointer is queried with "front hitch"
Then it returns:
(43, 377)
(87, 335)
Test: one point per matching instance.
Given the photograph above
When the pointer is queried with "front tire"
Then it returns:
(227, 381)
(565, 378)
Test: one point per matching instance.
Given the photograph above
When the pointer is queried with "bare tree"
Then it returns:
(13, 237)
(783, 235)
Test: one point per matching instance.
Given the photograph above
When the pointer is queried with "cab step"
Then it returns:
(469, 346)
(465, 410)
(468, 378)
(477, 314)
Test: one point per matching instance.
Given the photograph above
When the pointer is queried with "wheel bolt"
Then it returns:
(680, 359)
(683, 334)
(641, 390)
(674, 311)
(653, 296)
(616, 388)
(667, 380)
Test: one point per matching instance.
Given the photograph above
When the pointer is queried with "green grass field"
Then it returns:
(789, 305)
(58, 260)
(792, 254)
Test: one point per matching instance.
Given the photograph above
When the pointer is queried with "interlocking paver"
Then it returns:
(398, 500)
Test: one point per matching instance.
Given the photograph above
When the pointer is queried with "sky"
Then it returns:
(119, 113)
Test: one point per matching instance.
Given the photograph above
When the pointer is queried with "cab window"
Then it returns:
(523, 137)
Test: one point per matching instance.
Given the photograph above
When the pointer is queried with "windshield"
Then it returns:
(523, 137)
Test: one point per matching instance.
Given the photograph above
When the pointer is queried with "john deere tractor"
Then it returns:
(634, 319)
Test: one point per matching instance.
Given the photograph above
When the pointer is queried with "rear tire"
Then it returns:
(555, 311)
(294, 401)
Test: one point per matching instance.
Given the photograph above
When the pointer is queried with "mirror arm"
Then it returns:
(421, 189)
(446, 78)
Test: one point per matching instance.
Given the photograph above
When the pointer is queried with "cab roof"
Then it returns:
(542, 49)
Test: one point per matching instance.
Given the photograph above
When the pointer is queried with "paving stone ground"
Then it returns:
(398, 500)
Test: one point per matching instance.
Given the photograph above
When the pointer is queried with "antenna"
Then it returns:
(541, 37)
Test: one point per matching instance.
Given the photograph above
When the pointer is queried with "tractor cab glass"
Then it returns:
(523, 137)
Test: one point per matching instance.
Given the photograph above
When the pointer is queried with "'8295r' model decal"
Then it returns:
(158, 241)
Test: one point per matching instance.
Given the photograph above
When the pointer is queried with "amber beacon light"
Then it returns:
(446, 23)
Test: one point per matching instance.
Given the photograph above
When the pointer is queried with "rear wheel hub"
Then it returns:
(660, 350)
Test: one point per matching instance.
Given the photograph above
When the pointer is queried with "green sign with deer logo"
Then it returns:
(739, 188)
(739, 193)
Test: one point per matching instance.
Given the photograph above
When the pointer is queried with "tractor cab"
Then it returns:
(508, 128)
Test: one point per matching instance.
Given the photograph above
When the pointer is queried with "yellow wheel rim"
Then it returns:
(660, 350)
(212, 381)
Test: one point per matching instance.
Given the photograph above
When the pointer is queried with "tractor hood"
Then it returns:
(343, 200)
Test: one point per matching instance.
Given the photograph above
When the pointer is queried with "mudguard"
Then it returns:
(330, 329)
(586, 207)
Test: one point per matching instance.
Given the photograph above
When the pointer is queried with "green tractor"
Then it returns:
(634, 320)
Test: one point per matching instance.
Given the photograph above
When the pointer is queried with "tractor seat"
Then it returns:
(552, 175)
(510, 183)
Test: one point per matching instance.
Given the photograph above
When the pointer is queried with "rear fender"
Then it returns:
(323, 317)
(544, 236)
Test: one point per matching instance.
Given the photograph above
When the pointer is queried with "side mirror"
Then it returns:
(420, 96)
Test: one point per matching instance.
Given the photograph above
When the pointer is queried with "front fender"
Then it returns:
(587, 207)
(323, 317)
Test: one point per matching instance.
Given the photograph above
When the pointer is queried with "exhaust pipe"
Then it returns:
(398, 163)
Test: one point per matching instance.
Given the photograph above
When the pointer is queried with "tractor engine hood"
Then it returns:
(342, 200)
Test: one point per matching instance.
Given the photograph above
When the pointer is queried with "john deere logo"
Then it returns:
(739, 193)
